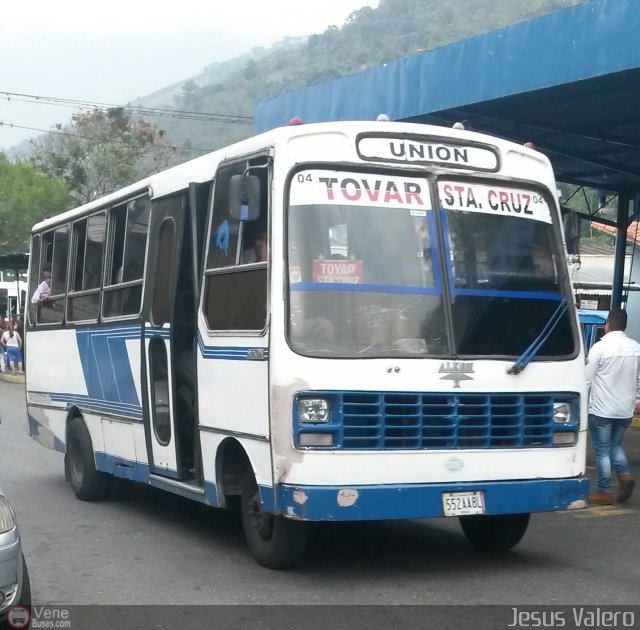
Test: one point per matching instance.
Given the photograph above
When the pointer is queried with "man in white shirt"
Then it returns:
(613, 370)
(43, 290)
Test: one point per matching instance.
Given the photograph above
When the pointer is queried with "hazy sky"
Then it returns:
(115, 51)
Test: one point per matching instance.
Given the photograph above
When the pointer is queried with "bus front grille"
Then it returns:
(444, 421)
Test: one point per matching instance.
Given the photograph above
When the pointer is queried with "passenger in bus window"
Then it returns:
(43, 291)
(257, 251)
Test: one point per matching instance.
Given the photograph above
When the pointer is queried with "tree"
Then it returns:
(101, 151)
(26, 197)
(192, 95)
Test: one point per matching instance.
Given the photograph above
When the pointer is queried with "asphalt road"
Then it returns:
(155, 548)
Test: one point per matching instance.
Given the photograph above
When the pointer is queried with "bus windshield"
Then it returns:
(374, 270)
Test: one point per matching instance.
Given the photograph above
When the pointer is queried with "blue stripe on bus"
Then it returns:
(99, 405)
(140, 471)
(424, 500)
(121, 467)
(107, 370)
(230, 353)
(435, 251)
(525, 295)
(111, 330)
(44, 436)
(363, 288)
(108, 364)
(150, 332)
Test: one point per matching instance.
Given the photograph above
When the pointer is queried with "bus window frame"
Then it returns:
(33, 278)
(239, 266)
(564, 279)
(109, 245)
(57, 298)
(40, 236)
(71, 293)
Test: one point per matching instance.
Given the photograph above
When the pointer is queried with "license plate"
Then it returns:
(463, 503)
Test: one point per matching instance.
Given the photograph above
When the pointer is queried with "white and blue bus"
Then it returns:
(13, 287)
(337, 322)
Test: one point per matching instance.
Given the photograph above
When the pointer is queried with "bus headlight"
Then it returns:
(6, 516)
(313, 411)
(562, 413)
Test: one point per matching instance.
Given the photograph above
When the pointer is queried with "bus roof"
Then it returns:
(201, 169)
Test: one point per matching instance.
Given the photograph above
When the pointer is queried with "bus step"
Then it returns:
(188, 490)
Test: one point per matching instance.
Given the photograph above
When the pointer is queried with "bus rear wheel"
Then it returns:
(88, 483)
(499, 532)
(275, 542)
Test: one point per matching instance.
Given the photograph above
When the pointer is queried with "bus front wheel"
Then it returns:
(498, 532)
(275, 542)
(88, 483)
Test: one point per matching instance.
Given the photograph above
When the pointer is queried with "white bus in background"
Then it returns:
(13, 288)
(409, 348)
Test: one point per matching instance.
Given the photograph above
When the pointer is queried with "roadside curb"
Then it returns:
(15, 378)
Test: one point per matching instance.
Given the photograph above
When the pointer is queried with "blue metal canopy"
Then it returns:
(568, 81)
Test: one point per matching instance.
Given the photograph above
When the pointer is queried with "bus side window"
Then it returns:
(224, 233)
(128, 233)
(86, 268)
(34, 276)
(56, 257)
(235, 291)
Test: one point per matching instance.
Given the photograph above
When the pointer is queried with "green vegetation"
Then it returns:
(26, 197)
(101, 151)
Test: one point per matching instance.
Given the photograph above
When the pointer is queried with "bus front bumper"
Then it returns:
(361, 503)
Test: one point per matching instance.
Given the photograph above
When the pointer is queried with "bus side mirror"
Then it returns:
(244, 197)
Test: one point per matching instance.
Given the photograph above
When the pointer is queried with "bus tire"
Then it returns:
(499, 532)
(88, 483)
(275, 541)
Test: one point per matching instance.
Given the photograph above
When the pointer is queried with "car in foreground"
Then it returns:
(15, 588)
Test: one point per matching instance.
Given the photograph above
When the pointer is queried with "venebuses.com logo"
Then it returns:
(38, 617)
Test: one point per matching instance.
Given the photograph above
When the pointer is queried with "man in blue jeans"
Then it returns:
(613, 370)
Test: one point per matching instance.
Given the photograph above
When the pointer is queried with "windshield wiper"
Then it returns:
(527, 356)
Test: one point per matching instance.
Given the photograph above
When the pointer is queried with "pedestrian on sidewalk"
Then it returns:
(4, 361)
(613, 370)
(12, 342)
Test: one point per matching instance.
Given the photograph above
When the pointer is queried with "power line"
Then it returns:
(75, 135)
(137, 109)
